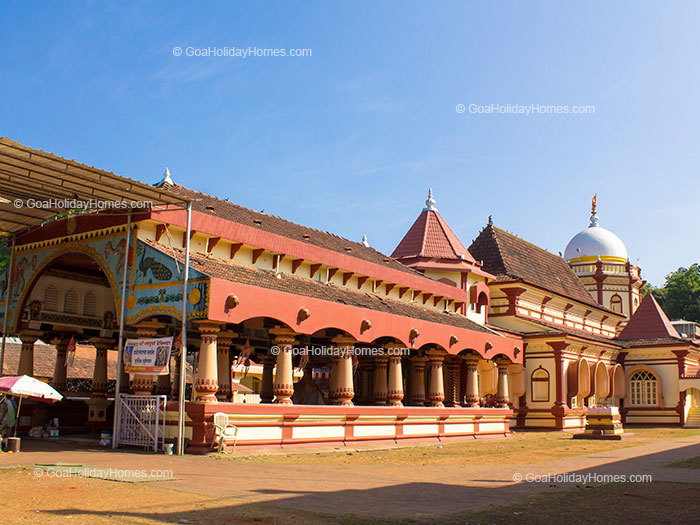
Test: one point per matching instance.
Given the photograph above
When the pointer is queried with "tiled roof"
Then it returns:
(80, 367)
(270, 223)
(431, 236)
(511, 258)
(649, 322)
(566, 330)
(250, 275)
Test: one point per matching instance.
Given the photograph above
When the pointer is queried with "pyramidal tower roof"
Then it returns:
(431, 237)
(649, 322)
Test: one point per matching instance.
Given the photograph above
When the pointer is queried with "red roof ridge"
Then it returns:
(430, 236)
(649, 322)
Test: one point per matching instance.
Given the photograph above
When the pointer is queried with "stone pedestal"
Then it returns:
(604, 423)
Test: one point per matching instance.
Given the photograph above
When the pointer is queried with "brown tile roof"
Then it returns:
(81, 367)
(270, 223)
(511, 258)
(566, 330)
(250, 275)
(649, 322)
(431, 236)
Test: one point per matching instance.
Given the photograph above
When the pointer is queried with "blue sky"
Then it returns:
(349, 139)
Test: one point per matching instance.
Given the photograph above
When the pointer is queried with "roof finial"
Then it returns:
(594, 216)
(430, 202)
(166, 181)
(490, 220)
(365, 241)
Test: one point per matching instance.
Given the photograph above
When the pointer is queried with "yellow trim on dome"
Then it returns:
(593, 258)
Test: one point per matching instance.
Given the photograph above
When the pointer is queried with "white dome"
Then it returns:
(595, 241)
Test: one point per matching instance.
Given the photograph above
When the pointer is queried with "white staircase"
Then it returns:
(693, 419)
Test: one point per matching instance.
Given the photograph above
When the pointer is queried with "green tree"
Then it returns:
(680, 296)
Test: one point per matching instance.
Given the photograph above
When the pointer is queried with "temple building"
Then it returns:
(303, 337)
(599, 258)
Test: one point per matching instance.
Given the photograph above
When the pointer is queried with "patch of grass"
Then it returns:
(659, 502)
(519, 448)
(686, 463)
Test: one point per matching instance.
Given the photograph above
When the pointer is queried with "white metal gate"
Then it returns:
(142, 421)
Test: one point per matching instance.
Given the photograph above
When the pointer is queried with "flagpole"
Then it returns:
(8, 295)
(120, 343)
(183, 348)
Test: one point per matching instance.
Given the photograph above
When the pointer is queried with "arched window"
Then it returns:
(51, 298)
(539, 385)
(90, 304)
(616, 303)
(643, 389)
(70, 302)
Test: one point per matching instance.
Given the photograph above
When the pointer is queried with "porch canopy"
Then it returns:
(35, 186)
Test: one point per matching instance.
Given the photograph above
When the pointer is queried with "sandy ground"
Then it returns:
(417, 483)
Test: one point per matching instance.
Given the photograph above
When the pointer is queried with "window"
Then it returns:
(643, 389)
(51, 298)
(616, 303)
(70, 302)
(539, 385)
(90, 304)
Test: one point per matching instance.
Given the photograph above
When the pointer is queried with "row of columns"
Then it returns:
(212, 380)
(385, 376)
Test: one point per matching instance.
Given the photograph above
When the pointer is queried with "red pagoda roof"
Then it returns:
(430, 236)
(649, 322)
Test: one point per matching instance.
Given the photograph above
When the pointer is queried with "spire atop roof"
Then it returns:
(431, 237)
(365, 241)
(166, 181)
(649, 322)
(430, 202)
(594, 215)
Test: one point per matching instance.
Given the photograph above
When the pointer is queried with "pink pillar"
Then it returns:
(395, 391)
(418, 381)
(205, 381)
(380, 380)
(472, 392)
(283, 386)
(436, 392)
(502, 395)
(344, 389)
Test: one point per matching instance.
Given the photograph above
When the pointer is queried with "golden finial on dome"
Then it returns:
(594, 216)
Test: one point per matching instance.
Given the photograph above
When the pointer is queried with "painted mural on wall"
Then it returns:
(108, 251)
(156, 287)
(154, 279)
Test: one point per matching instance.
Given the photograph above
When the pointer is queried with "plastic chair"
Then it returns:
(225, 433)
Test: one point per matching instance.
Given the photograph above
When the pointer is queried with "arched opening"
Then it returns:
(644, 388)
(539, 385)
(616, 303)
(601, 384)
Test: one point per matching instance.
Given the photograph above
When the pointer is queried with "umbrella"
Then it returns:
(25, 386)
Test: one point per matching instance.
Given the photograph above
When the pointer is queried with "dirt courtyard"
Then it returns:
(530, 477)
